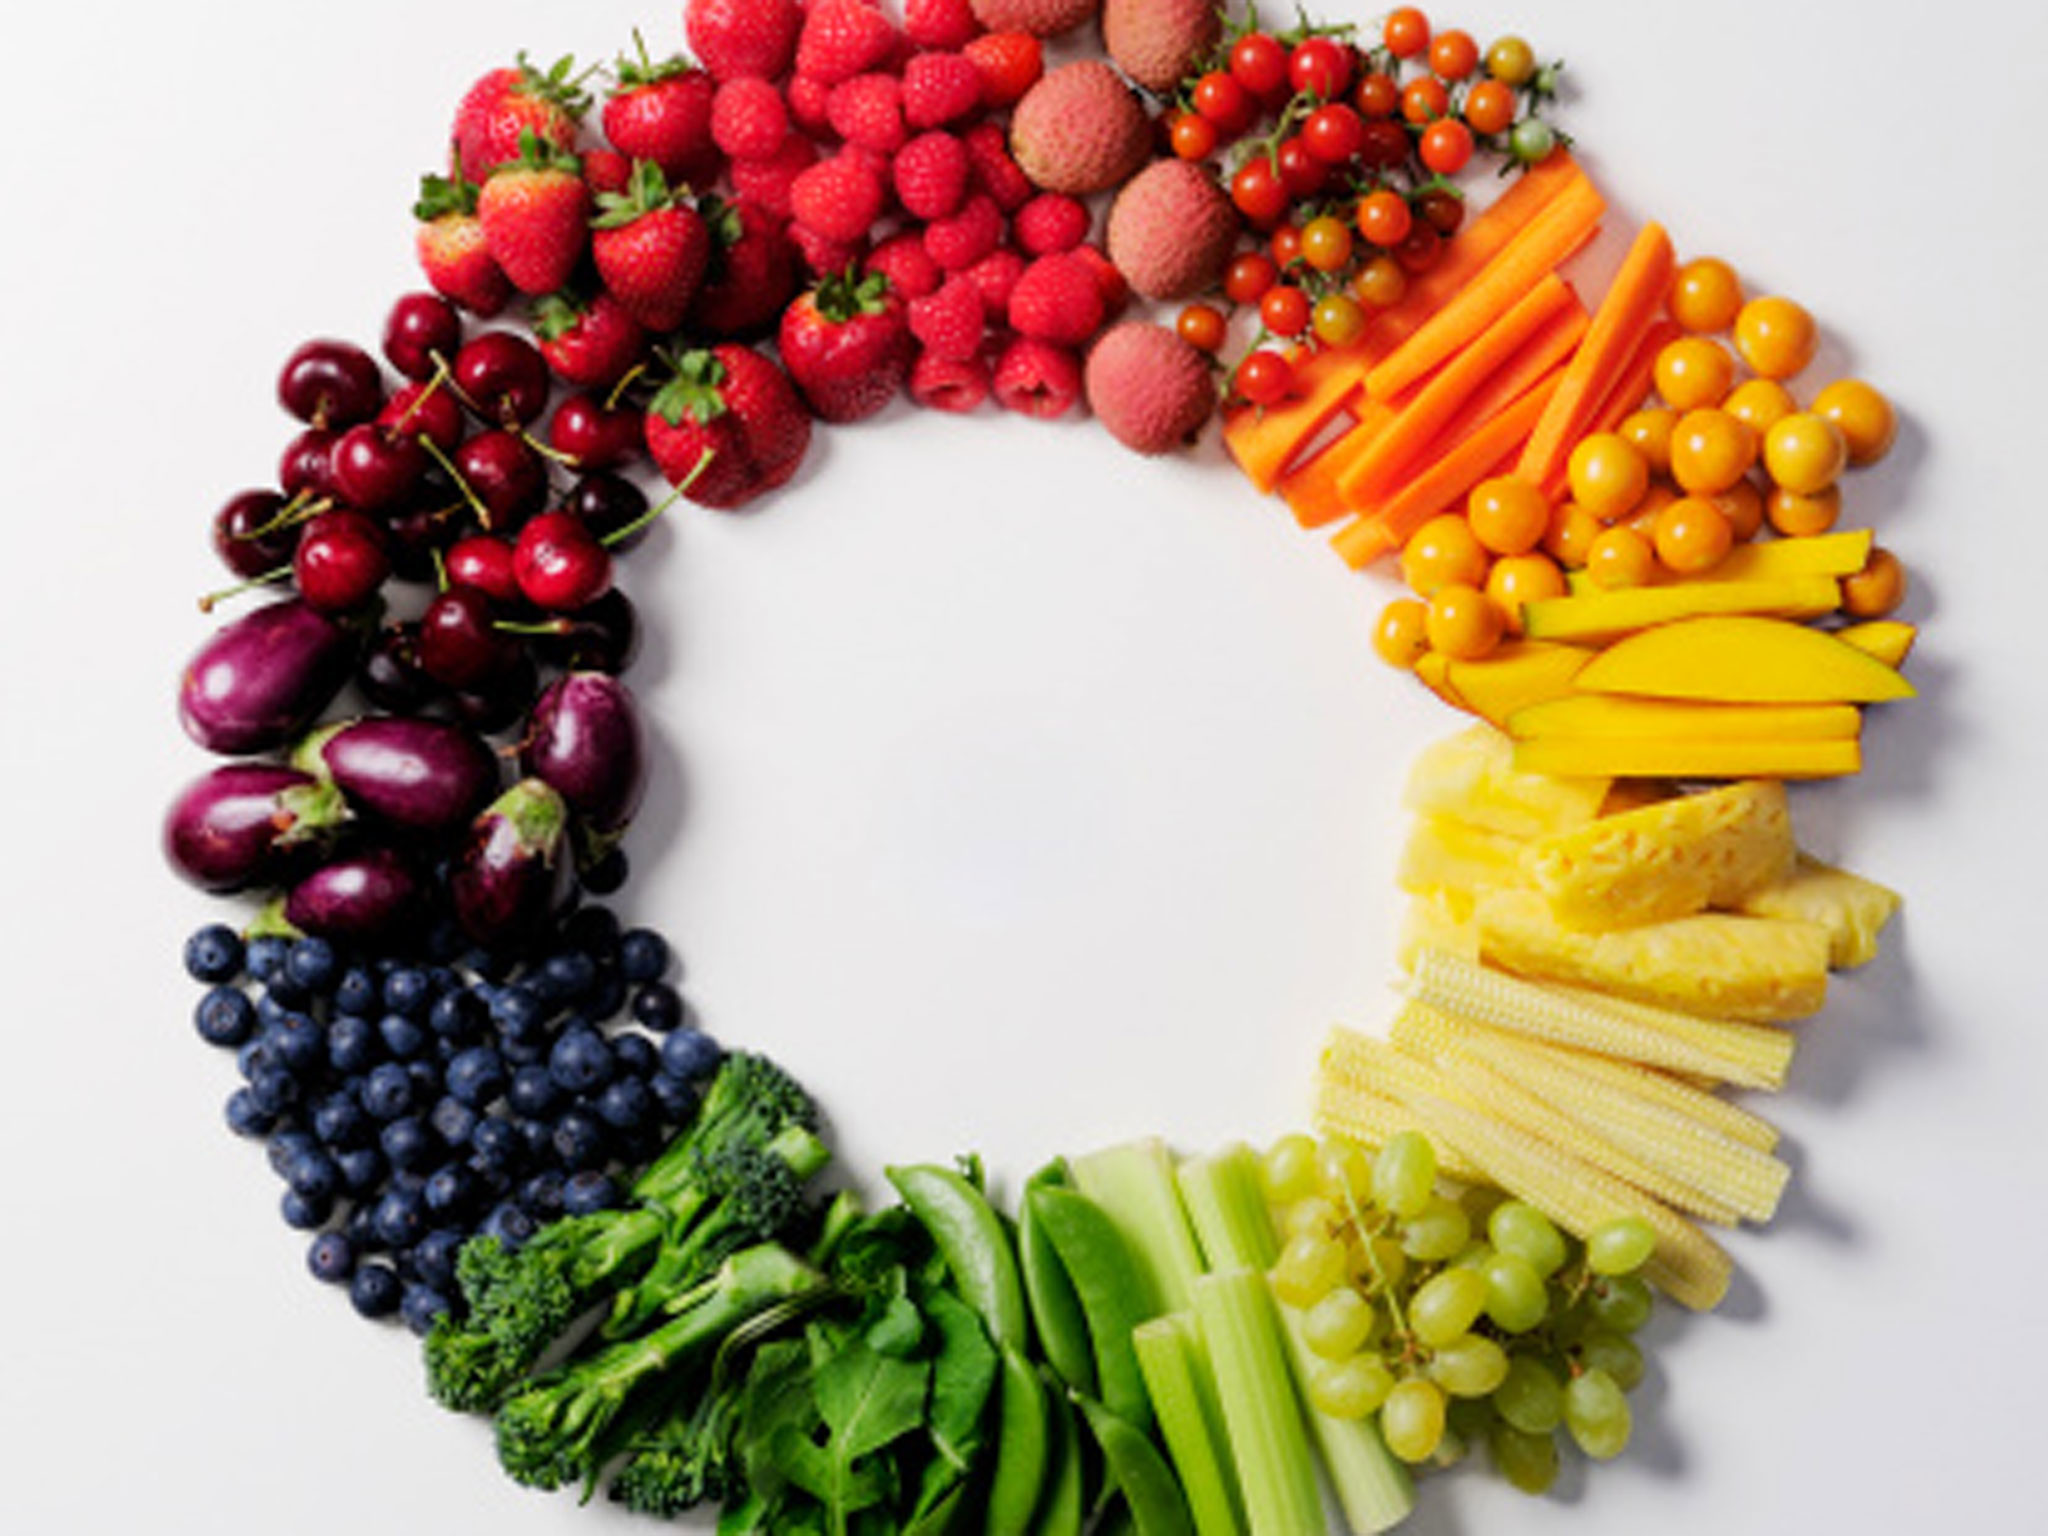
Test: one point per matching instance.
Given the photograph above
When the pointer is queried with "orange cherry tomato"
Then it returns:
(1424, 99)
(1865, 416)
(1775, 336)
(1401, 635)
(1510, 60)
(1508, 515)
(1490, 107)
(1453, 54)
(1202, 326)
(1337, 319)
(1877, 589)
(1443, 552)
(1804, 452)
(1381, 282)
(1692, 535)
(1706, 295)
(1446, 146)
(1326, 243)
(1710, 451)
(1463, 622)
(1384, 218)
(1405, 32)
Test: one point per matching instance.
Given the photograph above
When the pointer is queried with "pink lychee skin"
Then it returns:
(1156, 42)
(1171, 230)
(1152, 390)
(1080, 130)
(1041, 18)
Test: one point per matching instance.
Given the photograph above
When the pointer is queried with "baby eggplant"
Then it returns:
(512, 871)
(264, 678)
(424, 775)
(584, 739)
(249, 824)
(368, 895)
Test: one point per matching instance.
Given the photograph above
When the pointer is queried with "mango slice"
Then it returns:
(1739, 658)
(1606, 615)
(1616, 715)
(1670, 758)
(1889, 640)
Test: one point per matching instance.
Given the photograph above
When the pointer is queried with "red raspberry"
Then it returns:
(840, 197)
(1036, 378)
(843, 38)
(606, 170)
(939, 23)
(1009, 64)
(951, 322)
(956, 384)
(996, 276)
(931, 174)
(770, 183)
(1049, 223)
(961, 239)
(823, 255)
(809, 102)
(940, 88)
(1000, 176)
(1116, 289)
(868, 110)
(1057, 299)
(909, 267)
(749, 119)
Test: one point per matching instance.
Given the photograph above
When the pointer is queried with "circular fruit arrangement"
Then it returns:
(1350, 253)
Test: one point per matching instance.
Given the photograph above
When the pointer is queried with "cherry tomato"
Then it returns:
(1531, 141)
(1776, 336)
(1193, 136)
(1377, 95)
(1797, 516)
(1620, 557)
(1443, 208)
(1264, 377)
(1334, 133)
(1865, 417)
(1202, 326)
(1877, 589)
(1385, 144)
(1326, 243)
(1508, 514)
(1248, 276)
(1706, 295)
(1692, 535)
(1650, 430)
(1320, 66)
(1693, 372)
(1446, 146)
(1453, 54)
(1258, 192)
(1406, 32)
(1490, 107)
(1337, 319)
(1259, 62)
(1301, 172)
(1284, 310)
(1285, 245)
(1400, 637)
(1418, 252)
(1380, 282)
(1758, 403)
(1463, 622)
(1424, 100)
(1571, 534)
(1608, 475)
(1710, 451)
(1224, 102)
(1805, 452)
(1385, 218)
(1442, 552)
(1518, 579)
(1510, 60)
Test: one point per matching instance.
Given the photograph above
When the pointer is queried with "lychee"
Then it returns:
(1080, 130)
(1171, 230)
(1156, 42)
(1150, 388)
(1041, 18)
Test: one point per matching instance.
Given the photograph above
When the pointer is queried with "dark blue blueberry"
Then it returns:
(477, 1076)
(374, 1289)
(533, 1091)
(581, 1060)
(643, 955)
(453, 1121)
(299, 1044)
(213, 953)
(689, 1054)
(387, 1092)
(542, 1193)
(331, 1257)
(265, 955)
(224, 1016)
(458, 1016)
(525, 1053)
(510, 1224)
(445, 941)
(677, 1096)
(312, 963)
(356, 990)
(566, 975)
(399, 1217)
(361, 1168)
(492, 964)
(433, 1257)
(409, 1143)
(626, 1103)
(595, 931)
(496, 1144)
(420, 1305)
(407, 990)
(657, 1006)
(520, 1012)
(580, 1140)
(254, 1056)
(539, 1135)
(448, 1190)
(275, 1089)
(286, 1143)
(282, 990)
(607, 997)
(426, 1080)
(588, 1191)
(404, 1038)
(304, 1212)
(353, 1045)
(313, 1174)
(360, 1230)
(339, 1121)
(635, 1055)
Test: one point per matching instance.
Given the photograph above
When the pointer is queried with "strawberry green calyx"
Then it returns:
(645, 70)
(441, 196)
(556, 314)
(558, 84)
(536, 154)
(846, 294)
(696, 392)
(647, 191)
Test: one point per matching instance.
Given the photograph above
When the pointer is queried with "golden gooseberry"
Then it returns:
(1463, 622)
(1796, 515)
(1865, 417)
(1692, 372)
(1706, 295)
(1743, 505)
(1572, 532)
(1776, 336)
(1710, 451)
(1508, 514)
(1399, 638)
(1518, 579)
(1757, 403)
(1442, 551)
(1650, 430)
(1877, 589)
(1608, 474)
(1620, 557)
(1805, 452)
(1692, 536)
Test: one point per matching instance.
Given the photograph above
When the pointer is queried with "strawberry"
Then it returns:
(840, 197)
(1035, 378)
(749, 119)
(847, 344)
(606, 170)
(753, 270)
(931, 174)
(662, 112)
(508, 103)
(451, 246)
(1058, 299)
(1009, 63)
(589, 344)
(844, 38)
(727, 427)
(940, 88)
(533, 211)
(820, 254)
(651, 247)
(739, 38)
(939, 23)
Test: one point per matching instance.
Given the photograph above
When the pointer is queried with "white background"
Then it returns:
(1021, 794)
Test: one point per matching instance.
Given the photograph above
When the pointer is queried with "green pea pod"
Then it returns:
(1141, 1473)
(1055, 1309)
(1112, 1289)
(976, 1248)
(1023, 1449)
(1060, 1511)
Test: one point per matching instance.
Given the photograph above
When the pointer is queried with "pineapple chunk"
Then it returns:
(1471, 775)
(1852, 909)
(1440, 921)
(1445, 854)
(1756, 970)
(1666, 860)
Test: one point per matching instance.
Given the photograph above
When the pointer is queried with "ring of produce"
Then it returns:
(1355, 252)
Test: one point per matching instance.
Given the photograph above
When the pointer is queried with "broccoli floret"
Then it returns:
(552, 1432)
(749, 1102)
(686, 1458)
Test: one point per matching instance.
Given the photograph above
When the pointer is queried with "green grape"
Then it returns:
(1467, 1422)
(1340, 1324)
(1530, 1396)
(1620, 1304)
(1528, 1461)
(1440, 1232)
(1472, 1366)
(1479, 1201)
(1446, 1305)
(1311, 1215)
(1349, 1389)
(1288, 1169)
(1473, 1255)
(1308, 1269)
(1516, 1297)
(1404, 1174)
(1519, 1228)
(1615, 1353)
(1596, 1413)
(1344, 1172)
(1379, 1262)
(1412, 1419)
(1620, 1246)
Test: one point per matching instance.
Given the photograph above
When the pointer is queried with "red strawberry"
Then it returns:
(734, 38)
(940, 88)
(939, 23)
(728, 427)
(844, 38)
(591, 345)
(534, 212)
(452, 250)
(1036, 378)
(651, 248)
(606, 170)
(840, 197)
(868, 110)
(847, 344)
(1059, 300)
(508, 103)
(749, 119)
(951, 322)
(931, 174)
(753, 270)
(662, 112)
(956, 384)
(821, 254)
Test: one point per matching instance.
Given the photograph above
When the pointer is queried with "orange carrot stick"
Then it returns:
(1310, 488)
(1538, 356)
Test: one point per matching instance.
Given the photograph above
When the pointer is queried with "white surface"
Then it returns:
(1036, 796)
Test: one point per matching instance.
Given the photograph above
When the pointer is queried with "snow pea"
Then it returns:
(1114, 1293)
(971, 1238)
(1062, 1329)
(1060, 1512)
(1023, 1448)
(1141, 1473)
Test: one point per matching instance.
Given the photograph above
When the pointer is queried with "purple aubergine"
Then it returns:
(512, 871)
(264, 678)
(584, 738)
(367, 895)
(249, 824)
(424, 775)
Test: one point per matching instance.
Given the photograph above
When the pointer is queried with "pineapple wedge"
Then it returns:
(1852, 909)
(1471, 775)
(1443, 853)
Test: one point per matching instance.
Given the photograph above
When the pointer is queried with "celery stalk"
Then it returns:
(1275, 1466)
(1225, 1199)
(1134, 1182)
(1182, 1384)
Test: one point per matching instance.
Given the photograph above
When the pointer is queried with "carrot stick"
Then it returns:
(1310, 488)
(1264, 440)
(1417, 423)
(1625, 395)
(1624, 313)
(1538, 248)
(1536, 357)
(1362, 540)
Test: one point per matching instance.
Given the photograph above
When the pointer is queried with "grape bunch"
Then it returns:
(1458, 1318)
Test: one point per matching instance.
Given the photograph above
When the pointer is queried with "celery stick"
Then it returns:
(1134, 1183)
(1275, 1467)
(1225, 1199)
(1179, 1377)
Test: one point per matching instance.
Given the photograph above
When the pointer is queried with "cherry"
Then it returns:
(306, 467)
(505, 475)
(421, 329)
(249, 537)
(595, 435)
(418, 530)
(390, 675)
(375, 468)
(428, 410)
(603, 636)
(501, 698)
(340, 562)
(608, 504)
(460, 645)
(484, 561)
(560, 564)
(330, 384)
(503, 377)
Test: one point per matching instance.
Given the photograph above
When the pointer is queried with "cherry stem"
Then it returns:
(213, 600)
(476, 505)
(626, 531)
(611, 401)
(302, 508)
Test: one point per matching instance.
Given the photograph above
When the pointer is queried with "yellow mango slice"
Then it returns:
(1471, 775)
(1667, 860)
(1671, 758)
(1605, 615)
(1889, 640)
(1517, 675)
(1741, 659)
(1612, 715)
(1819, 554)
(1852, 909)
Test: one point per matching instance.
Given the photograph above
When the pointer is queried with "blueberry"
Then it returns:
(313, 1175)
(312, 963)
(643, 955)
(510, 1224)
(520, 1012)
(458, 1016)
(404, 1038)
(374, 1289)
(689, 1054)
(626, 1103)
(282, 990)
(265, 955)
(420, 1305)
(407, 991)
(399, 1217)
(433, 1257)
(387, 1091)
(579, 1139)
(542, 1194)
(445, 940)
(305, 1213)
(286, 1143)
(595, 931)
(635, 1055)
(274, 1089)
(496, 1144)
(353, 1044)
(588, 1191)
(360, 1231)
(356, 991)
(362, 1169)
(657, 1006)
(605, 874)
(408, 1143)
(224, 1016)
(581, 1060)
(607, 997)
(254, 1056)
(476, 1076)
(448, 1190)
(339, 1122)
(213, 953)
(538, 1133)
(676, 1096)
(299, 1044)
(453, 1121)
(566, 975)
(331, 1257)
(533, 1091)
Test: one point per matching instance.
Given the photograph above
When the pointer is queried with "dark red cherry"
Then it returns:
(503, 377)
(505, 474)
(422, 331)
(484, 561)
(340, 562)
(428, 410)
(460, 645)
(608, 504)
(375, 469)
(306, 467)
(560, 564)
(330, 384)
(596, 436)
(249, 536)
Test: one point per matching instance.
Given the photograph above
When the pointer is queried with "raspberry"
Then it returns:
(824, 254)
(963, 238)
(1116, 290)
(909, 267)
(606, 170)
(843, 38)
(839, 198)
(940, 88)
(1057, 299)
(1000, 176)
(1036, 378)
(1009, 64)
(1051, 222)
(996, 276)
(931, 174)
(868, 110)
(950, 322)
(809, 101)
(770, 182)
(749, 120)
(956, 384)
(939, 23)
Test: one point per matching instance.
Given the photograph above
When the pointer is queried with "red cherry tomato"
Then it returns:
(1383, 145)
(1444, 210)
(1194, 137)
(1264, 377)
(1219, 98)
(1202, 327)
(1419, 252)
(1284, 310)
(1248, 276)
(1259, 61)
(1320, 66)
(1446, 146)
(1377, 95)
(1406, 32)
(1258, 191)
(1334, 133)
